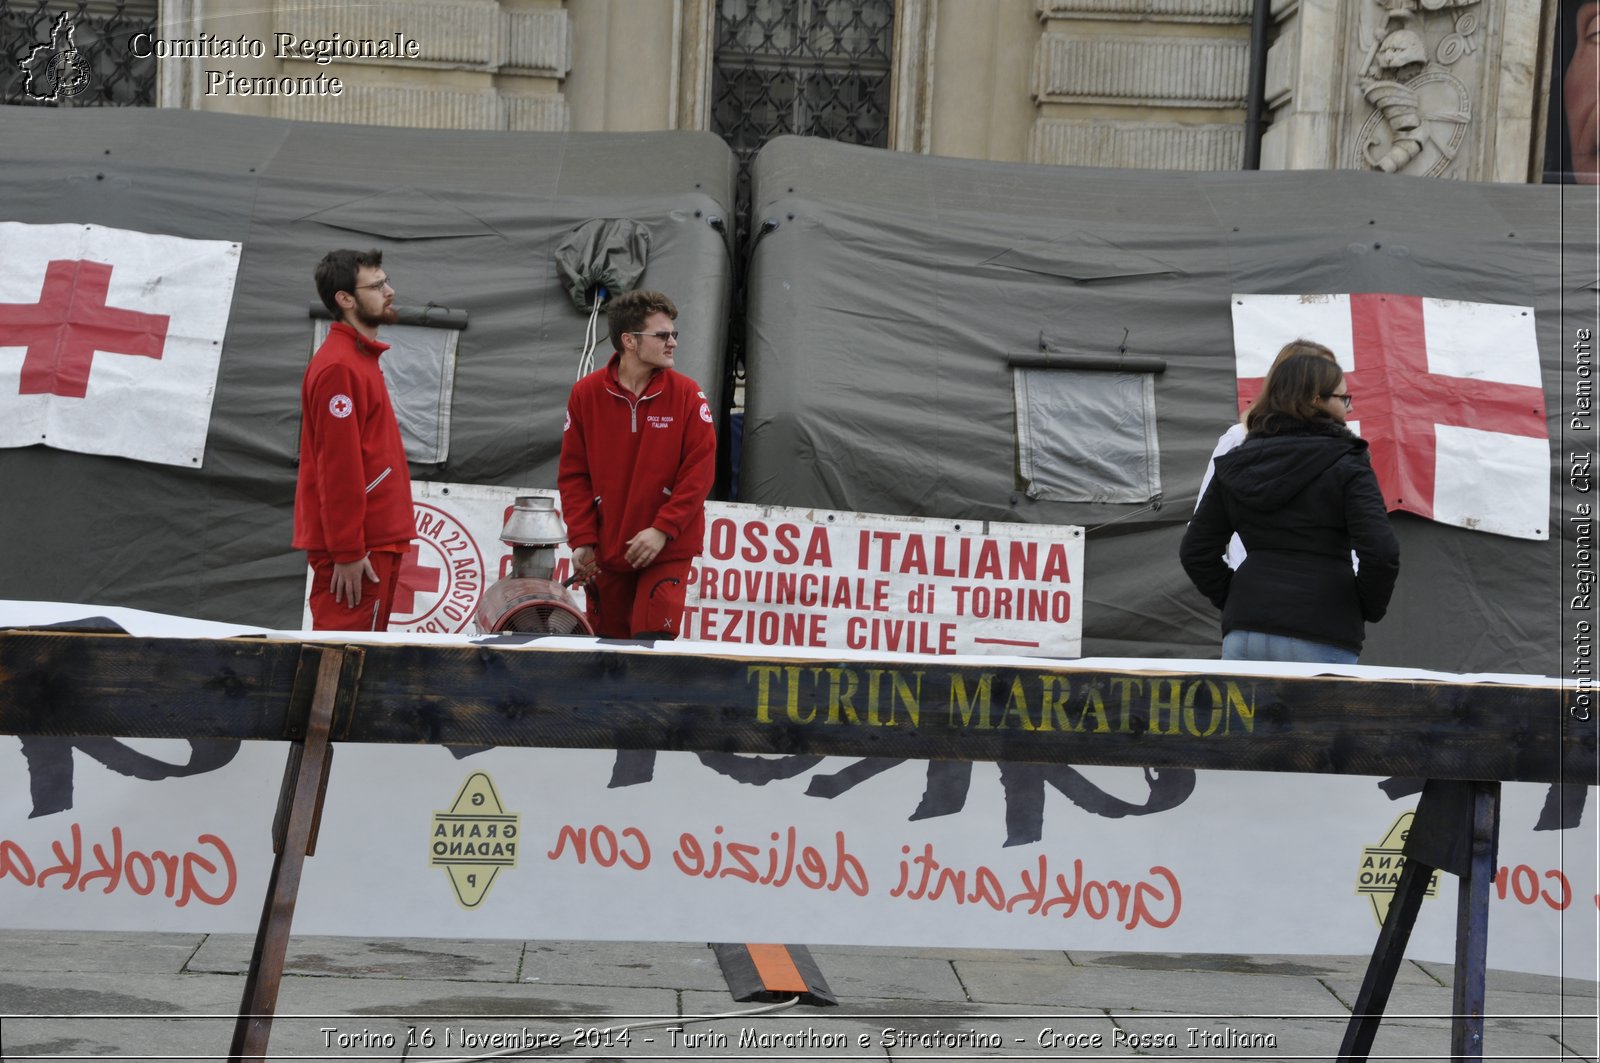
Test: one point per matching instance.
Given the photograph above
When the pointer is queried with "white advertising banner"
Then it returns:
(773, 576)
(600, 845)
(596, 844)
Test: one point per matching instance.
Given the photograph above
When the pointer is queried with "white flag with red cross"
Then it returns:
(110, 340)
(1448, 394)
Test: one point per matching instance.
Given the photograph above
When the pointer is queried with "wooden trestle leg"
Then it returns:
(1472, 924)
(337, 670)
(1456, 829)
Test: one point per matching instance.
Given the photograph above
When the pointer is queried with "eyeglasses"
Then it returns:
(663, 335)
(377, 286)
(1347, 397)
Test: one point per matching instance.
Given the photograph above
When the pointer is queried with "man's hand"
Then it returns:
(584, 565)
(346, 583)
(643, 548)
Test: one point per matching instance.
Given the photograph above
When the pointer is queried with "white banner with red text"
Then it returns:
(773, 576)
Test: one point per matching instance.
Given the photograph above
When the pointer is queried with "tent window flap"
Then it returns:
(420, 370)
(1087, 435)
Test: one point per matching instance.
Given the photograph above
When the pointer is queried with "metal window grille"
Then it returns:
(40, 67)
(812, 67)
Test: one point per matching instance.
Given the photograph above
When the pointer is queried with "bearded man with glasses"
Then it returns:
(638, 453)
(352, 499)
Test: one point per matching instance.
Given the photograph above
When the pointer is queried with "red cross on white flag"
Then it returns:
(110, 340)
(1448, 394)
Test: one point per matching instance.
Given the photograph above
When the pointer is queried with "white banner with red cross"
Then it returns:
(1447, 393)
(110, 340)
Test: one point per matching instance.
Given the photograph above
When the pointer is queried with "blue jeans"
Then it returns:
(1260, 646)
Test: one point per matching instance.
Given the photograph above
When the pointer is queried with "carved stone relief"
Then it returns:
(1414, 63)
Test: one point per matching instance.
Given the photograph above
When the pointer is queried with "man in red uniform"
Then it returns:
(352, 502)
(637, 457)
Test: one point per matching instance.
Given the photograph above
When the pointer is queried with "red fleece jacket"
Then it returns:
(631, 462)
(354, 490)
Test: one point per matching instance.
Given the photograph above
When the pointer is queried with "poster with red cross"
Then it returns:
(1447, 394)
(110, 339)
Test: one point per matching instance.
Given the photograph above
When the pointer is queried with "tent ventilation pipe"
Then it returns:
(1109, 363)
(1256, 93)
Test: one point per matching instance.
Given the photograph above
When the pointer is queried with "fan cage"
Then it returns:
(542, 617)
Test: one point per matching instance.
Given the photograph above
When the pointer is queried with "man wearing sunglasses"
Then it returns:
(638, 453)
(352, 499)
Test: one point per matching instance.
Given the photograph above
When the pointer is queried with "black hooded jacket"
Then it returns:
(1301, 501)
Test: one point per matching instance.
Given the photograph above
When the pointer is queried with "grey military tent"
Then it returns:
(892, 302)
(469, 223)
(894, 299)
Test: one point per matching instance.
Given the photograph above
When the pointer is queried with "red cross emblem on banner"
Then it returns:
(69, 324)
(415, 577)
(1400, 402)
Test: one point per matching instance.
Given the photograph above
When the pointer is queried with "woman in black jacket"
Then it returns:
(1302, 496)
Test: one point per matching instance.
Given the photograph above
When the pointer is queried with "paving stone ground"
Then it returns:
(173, 997)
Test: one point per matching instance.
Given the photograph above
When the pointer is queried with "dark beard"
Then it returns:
(387, 316)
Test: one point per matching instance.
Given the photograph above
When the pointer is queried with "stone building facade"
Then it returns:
(1453, 88)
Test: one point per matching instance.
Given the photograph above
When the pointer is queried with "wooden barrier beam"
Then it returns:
(54, 683)
(64, 684)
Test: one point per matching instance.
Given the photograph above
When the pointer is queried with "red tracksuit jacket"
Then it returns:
(634, 462)
(354, 490)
